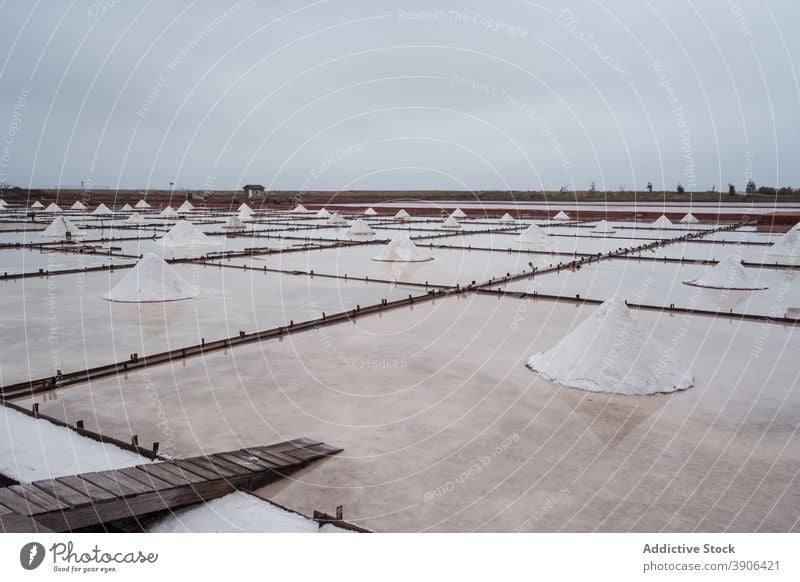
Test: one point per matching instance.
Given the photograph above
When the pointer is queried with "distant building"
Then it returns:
(254, 191)
(195, 196)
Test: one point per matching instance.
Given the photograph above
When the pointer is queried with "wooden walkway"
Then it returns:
(91, 499)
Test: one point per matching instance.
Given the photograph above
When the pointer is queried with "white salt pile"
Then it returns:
(370, 212)
(336, 220)
(507, 218)
(727, 274)
(141, 205)
(78, 205)
(662, 222)
(239, 512)
(127, 208)
(102, 210)
(245, 216)
(562, 216)
(401, 249)
(689, 219)
(33, 449)
(233, 223)
(360, 228)
(451, 222)
(168, 212)
(603, 227)
(299, 209)
(135, 218)
(152, 279)
(53, 208)
(37, 204)
(243, 207)
(185, 208)
(61, 229)
(535, 235)
(185, 234)
(322, 213)
(458, 213)
(787, 248)
(3, 202)
(402, 215)
(610, 351)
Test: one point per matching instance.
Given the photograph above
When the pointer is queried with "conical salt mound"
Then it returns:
(336, 220)
(185, 207)
(727, 274)
(534, 234)
(53, 208)
(3, 202)
(370, 212)
(299, 209)
(402, 249)
(507, 218)
(152, 279)
(662, 222)
(127, 208)
(787, 248)
(135, 218)
(141, 205)
(101, 210)
(185, 234)
(689, 219)
(168, 212)
(243, 207)
(402, 215)
(61, 229)
(562, 216)
(234, 224)
(603, 228)
(37, 204)
(322, 213)
(458, 213)
(245, 216)
(612, 352)
(451, 222)
(360, 228)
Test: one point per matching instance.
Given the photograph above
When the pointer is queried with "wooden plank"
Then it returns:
(134, 507)
(313, 452)
(145, 478)
(245, 461)
(39, 497)
(155, 470)
(266, 459)
(279, 458)
(89, 489)
(108, 484)
(190, 467)
(63, 493)
(221, 464)
(5, 510)
(18, 504)
(128, 482)
(293, 444)
(204, 463)
(179, 472)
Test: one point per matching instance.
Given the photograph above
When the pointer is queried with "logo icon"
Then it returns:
(31, 555)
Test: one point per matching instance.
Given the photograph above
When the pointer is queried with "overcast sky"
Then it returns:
(338, 95)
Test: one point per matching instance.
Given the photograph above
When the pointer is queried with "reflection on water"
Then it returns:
(724, 299)
(153, 319)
